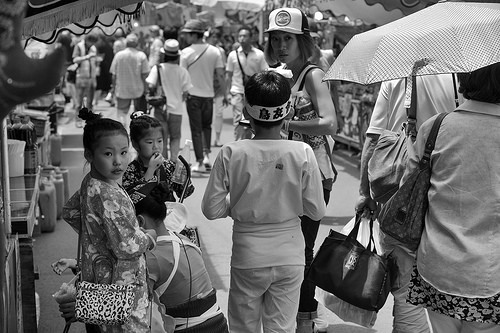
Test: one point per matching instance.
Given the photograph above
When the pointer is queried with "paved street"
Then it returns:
(215, 235)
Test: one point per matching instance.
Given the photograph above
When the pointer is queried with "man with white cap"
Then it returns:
(265, 184)
(203, 61)
(175, 83)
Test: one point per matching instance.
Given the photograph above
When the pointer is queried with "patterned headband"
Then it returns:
(268, 113)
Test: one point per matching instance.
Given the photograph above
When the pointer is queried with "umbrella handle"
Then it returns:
(188, 177)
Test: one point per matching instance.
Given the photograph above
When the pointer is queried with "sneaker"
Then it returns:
(199, 167)
(206, 163)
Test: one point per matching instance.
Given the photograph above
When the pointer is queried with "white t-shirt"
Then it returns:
(252, 63)
(435, 94)
(265, 185)
(202, 71)
(175, 80)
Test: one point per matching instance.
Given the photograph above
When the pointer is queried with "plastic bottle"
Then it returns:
(55, 149)
(28, 134)
(180, 172)
(65, 174)
(58, 181)
(48, 205)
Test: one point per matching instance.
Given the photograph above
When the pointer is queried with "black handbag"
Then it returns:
(158, 100)
(403, 216)
(353, 273)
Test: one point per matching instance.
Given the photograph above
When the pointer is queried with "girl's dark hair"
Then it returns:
(305, 43)
(481, 85)
(267, 88)
(139, 125)
(154, 203)
(97, 127)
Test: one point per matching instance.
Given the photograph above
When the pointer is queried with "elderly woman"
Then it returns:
(457, 275)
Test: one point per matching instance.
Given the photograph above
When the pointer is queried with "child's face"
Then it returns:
(110, 158)
(150, 144)
(285, 46)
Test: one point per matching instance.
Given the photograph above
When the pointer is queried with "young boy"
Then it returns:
(265, 184)
(175, 82)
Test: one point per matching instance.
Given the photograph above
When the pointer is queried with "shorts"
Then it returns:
(140, 104)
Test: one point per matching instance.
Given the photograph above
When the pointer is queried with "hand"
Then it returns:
(155, 161)
(68, 311)
(367, 207)
(63, 264)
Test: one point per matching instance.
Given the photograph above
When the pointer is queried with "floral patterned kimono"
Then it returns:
(111, 229)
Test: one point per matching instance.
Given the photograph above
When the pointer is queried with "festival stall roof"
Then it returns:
(44, 16)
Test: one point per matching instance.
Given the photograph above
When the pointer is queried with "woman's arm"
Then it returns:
(326, 123)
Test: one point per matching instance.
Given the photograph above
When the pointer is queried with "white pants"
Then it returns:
(446, 324)
(264, 299)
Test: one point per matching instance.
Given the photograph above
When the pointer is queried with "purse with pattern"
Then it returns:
(101, 304)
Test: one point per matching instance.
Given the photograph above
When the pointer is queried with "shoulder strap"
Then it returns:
(177, 250)
(307, 68)
(431, 140)
(411, 112)
(239, 63)
(198, 57)
(159, 76)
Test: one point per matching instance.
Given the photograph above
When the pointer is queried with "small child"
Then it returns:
(146, 134)
(102, 210)
(175, 82)
(265, 184)
(177, 272)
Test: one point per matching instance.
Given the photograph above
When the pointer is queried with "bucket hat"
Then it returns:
(290, 20)
(171, 48)
(194, 26)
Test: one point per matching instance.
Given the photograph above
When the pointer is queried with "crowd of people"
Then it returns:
(284, 117)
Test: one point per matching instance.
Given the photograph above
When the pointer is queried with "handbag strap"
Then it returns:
(198, 57)
(159, 76)
(411, 112)
(431, 140)
(239, 63)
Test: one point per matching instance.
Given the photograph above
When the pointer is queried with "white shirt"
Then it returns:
(201, 71)
(252, 63)
(435, 94)
(265, 185)
(175, 80)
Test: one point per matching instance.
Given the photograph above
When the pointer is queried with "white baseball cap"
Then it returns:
(290, 20)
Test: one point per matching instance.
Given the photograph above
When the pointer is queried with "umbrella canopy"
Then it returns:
(448, 37)
(249, 5)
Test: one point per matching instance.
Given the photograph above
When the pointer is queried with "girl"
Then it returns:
(104, 213)
(147, 135)
(290, 43)
(177, 271)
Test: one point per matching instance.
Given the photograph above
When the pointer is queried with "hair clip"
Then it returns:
(137, 114)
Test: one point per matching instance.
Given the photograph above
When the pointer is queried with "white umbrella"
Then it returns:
(249, 5)
(449, 37)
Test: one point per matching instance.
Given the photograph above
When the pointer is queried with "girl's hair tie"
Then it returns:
(137, 114)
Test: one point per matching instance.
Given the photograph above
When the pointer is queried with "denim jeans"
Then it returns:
(310, 231)
(200, 111)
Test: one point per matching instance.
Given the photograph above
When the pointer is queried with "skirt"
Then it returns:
(482, 310)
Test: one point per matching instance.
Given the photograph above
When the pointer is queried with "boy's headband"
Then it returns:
(268, 113)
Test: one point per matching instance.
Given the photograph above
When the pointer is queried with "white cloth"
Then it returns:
(434, 94)
(203, 70)
(265, 185)
(175, 80)
(252, 63)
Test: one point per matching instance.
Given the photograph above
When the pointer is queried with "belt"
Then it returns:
(193, 308)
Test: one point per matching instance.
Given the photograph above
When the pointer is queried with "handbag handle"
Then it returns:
(353, 235)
